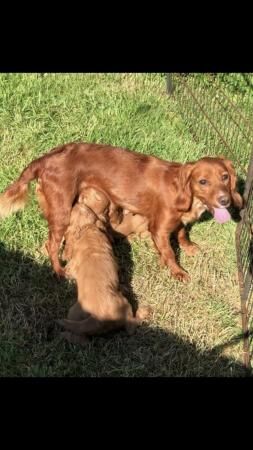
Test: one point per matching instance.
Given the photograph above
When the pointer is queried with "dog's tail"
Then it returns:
(15, 196)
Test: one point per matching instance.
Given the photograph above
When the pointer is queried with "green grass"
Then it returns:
(194, 327)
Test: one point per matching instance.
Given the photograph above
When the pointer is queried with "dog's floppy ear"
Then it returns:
(237, 199)
(185, 196)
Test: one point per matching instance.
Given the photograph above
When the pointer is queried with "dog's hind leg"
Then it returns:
(58, 216)
(89, 326)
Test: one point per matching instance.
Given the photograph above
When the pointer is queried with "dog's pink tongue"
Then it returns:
(221, 215)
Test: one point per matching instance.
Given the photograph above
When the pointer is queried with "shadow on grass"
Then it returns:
(32, 298)
(123, 253)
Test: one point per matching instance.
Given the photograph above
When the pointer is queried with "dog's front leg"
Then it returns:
(190, 248)
(161, 231)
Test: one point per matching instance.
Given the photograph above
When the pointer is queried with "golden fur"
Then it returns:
(159, 190)
(101, 306)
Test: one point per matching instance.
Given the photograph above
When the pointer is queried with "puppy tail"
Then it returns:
(15, 196)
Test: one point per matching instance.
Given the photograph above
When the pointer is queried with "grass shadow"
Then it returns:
(123, 252)
(32, 298)
(143, 108)
(31, 294)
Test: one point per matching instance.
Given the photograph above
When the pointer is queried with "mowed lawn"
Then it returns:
(195, 327)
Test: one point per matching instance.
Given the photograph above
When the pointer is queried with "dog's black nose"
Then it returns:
(224, 200)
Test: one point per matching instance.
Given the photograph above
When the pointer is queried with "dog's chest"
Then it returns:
(195, 212)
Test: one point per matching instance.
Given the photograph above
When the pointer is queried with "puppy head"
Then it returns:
(81, 216)
(95, 200)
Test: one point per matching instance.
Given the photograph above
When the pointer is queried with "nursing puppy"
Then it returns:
(101, 306)
(122, 221)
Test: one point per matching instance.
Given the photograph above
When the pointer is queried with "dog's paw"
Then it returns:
(192, 249)
(181, 275)
(144, 313)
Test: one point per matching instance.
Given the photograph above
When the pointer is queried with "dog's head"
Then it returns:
(212, 181)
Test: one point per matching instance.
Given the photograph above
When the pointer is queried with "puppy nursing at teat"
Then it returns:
(101, 307)
(121, 221)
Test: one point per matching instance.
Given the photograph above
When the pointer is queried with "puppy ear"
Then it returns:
(237, 199)
(185, 196)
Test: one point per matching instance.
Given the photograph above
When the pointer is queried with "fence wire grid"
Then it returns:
(218, 111)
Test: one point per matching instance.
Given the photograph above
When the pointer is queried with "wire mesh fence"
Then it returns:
(244, 248)
(218, 111)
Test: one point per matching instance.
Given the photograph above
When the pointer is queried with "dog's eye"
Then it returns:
(224, 177)
(203, 181)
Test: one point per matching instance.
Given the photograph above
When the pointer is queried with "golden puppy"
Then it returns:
(101, 306)
(132, 224)
(122, 221)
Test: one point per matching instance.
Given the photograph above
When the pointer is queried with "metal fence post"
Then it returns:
(169, 83)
